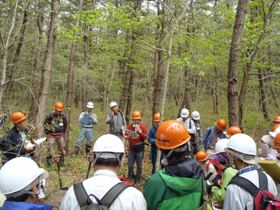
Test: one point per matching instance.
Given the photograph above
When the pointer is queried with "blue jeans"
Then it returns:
(132, 157)
(154, 150)
(85, 133)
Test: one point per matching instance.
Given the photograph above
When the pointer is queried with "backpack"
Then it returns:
(103, 204)
(263, 199)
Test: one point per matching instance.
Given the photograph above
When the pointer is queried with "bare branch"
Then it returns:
(147, 44)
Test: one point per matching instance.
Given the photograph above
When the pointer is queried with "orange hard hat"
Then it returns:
(275, 127)
(156, 117)
(136, 115)
(17, 117)
(201, 156)
(233, 130)
(59, 106)
(276, 119)
(171, 134)
(221, 124)
(276, 144)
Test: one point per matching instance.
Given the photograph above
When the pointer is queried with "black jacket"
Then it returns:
(55, 124)
(12, 145)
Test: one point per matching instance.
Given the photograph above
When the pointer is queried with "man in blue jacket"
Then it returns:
(21, 183)
(213, 134)
(152, 139)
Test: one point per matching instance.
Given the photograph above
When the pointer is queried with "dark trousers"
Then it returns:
(154, 150)
(132, 157)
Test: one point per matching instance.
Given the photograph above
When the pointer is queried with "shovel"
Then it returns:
(90, 159)
(57, 159)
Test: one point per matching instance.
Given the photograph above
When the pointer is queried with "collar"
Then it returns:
(105, 173)
(247, 169)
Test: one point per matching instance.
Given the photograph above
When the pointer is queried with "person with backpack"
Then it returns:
(55, 126)
(104, 190)
(187, 121)
(152, 139)
(136, 134)
(250, 187)
(116, 121)
(15, 142)
(213, 134)
(87, 119)
(180, 185)
(21, 181)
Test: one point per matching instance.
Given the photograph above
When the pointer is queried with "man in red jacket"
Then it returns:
(136, 134)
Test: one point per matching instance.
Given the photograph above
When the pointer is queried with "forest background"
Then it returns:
(220, 58)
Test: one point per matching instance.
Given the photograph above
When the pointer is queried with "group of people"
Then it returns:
(223, 166)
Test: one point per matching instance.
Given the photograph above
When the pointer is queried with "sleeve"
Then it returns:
(232, 199)
(80, 117)
(69, 201)
(151, 136)
(152, 193)
(94, 119)
(108, 119)
(11, 148)
(143, 135)
(205, 137)
(46, 123)
(139, 202)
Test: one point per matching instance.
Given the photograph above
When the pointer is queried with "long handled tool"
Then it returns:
(90, 160)
(58, 159)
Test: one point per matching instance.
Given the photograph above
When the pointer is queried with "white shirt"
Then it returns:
(99, 185)
(237, 198)
(189, 124)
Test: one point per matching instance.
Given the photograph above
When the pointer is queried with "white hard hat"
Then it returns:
(274, 133)
(195, 115)
(90, 105)
(184, 113)
(113, 103)
(268, 140)
(17, 175)
(221, 145)
(108, 143)
(244, 147)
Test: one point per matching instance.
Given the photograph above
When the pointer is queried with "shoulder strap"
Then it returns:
(112, 194)
(81, 194)
(263, 182)
(245, 185)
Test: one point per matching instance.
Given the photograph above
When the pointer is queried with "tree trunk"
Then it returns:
(233, 65)
(263, 102)
(70, 82)
(5, 55)
(46, 70)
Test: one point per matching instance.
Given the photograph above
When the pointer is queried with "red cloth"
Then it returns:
(142, 136)
(56, 137)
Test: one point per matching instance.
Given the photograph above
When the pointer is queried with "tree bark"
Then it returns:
(263, 102)
(70, 82)
(46, 70)
(233, 65)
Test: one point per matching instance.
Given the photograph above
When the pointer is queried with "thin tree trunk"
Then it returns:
(70, 82)
(233, 65)
(46, 70)
(263, 102)
(5, 55)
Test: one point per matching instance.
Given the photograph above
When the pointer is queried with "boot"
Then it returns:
(88, 150)
(49, 161)
(61, 162)
(77, 149)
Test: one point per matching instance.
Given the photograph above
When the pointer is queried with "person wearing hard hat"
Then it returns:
(116, 121)
(276, 146)
(15, 143)
(276, 120)
(196, 119)
(152, 139)
(55, 126)
(209, 169)
(242, 152)
(213, 134)
(232, 130)
(266, 150)
(136, 134)
(189, 124)
(225, 173)
(21, 182)
(87, 120)
(108, 153)
(179, 184)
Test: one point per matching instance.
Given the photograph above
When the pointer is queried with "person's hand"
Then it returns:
(29, 148)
